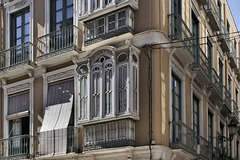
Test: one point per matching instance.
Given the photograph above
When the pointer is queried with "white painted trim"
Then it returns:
(10, 9)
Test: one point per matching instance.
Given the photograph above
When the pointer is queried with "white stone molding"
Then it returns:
(14, 88)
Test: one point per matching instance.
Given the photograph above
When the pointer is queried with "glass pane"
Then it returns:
(69, 2)
(59, 16)
(19, 33)
(59, 4)
(58, 26)
(69, 12)
(26, 39)
(18, 21)
(27, 17)
(18, 42)
(26, 29)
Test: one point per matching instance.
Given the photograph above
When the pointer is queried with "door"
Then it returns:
(61, 24)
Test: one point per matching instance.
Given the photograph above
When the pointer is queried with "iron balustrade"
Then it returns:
(227, 98)
(57, 142)
(213, 10)
(183, 137)
(216, 81)
(179, 30)
(234, 109)
(201, 61)
(19, 54)
(17, 146)
(58, 42)
(205, 147)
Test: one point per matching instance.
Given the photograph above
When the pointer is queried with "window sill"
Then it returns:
(18, 115)
(109, 118)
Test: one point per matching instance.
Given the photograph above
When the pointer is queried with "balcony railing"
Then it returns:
(216, 85)
(201, 62)
(232, 55)
(212, 11)
(204, 148)
(226, 98)
(18, 147)
(179, 30)
(224, 37)
(16, 56)
(58, 42)
(234, 110)
(57, 142)
(183, 137)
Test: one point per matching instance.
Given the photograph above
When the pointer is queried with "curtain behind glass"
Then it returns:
(18, 103)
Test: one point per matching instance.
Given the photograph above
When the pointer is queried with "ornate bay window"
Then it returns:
(108, 86)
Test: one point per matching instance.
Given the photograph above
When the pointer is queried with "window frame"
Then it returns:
(11, 8)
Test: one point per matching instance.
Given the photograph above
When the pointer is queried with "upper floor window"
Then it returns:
(230, 85)
(20, 27)
(109, 89)
(196, 115)
(176, 99)
(62, 14)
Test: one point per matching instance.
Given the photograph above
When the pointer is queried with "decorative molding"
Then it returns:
(18, 88)
(18, 5)
(61, 75)
(177, 70)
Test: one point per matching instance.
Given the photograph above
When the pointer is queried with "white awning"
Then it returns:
(54, 129)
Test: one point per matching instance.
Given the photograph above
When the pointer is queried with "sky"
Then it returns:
(235, 8)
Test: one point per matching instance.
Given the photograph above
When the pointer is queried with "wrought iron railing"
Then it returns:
(19, 54)
(213, 9)
(201, 61)
(232, 53)
(178, 29)
(234, 109)
(227, 97)
(205, 148)
(57, 142)
(216, 81)
(183, 137)
(17, 146)
(58, 42)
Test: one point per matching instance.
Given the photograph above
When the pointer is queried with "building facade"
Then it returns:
(118, 79)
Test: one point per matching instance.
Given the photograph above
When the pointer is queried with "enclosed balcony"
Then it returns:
(226, 101)
(215, 86)
(204, 149)
(232, 54)
(183, 137)
(201, 65)
(115, 24)
(234, 110)
(58, 46)
(213, 15)
(224, 37)
(181, 37)
(17, 59)
(58, 142)
(18, 147)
